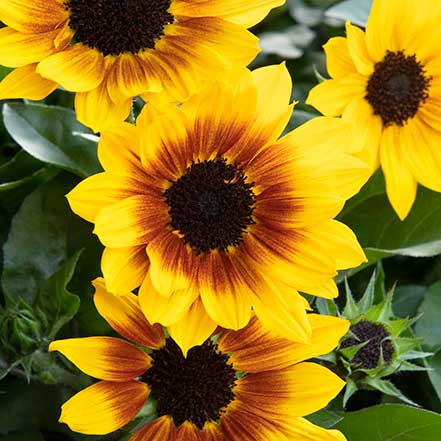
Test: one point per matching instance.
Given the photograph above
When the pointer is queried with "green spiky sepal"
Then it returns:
(377, 345)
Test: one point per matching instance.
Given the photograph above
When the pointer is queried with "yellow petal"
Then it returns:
(193, 328)
(19, 49)
(172, 263)
(96, 110)
(212, 432)
(297, 260)
(119, 150)
(332, 96)
(201, 48)
(161, 429)
(131, 75)
(32, 16)
(282, 310)
(77, 69)
(341, 242)
(96, 192)
(106, 358)
(104, 407)
(187, 431)
(358, 50)
(164, 309)
(294, 391)
(241, 12)
(166, 151)
(124, 315)
(300, 429)
(256, 348)
(420, 147)
(392, 25)
(129, 222)
(338, 60)
(274, 87)
(240, 423)
(367, 129)
(401, 186)
(24, 82)
(331, 136)
(124, 269)
(224, 284)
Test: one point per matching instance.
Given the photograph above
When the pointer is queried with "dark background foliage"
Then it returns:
(48, 256)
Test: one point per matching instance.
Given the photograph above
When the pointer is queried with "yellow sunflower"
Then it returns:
(111, 50)
(246, 385)
(387, 81)
(205, 202)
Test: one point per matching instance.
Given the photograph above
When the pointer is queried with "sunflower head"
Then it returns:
(378, 344)
(109, 51)
(385, 80)
(213, 214)
(246, 384)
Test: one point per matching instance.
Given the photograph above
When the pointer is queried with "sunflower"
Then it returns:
(205, 202)
(109, 51)
(387, 81)
(238, 385)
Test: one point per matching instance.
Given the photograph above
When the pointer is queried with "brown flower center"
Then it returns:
(211, 205)
(397, 88)
(377, 342)
(197, 388)
(114, 27)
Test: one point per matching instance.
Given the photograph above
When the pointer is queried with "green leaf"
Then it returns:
(428, 326)
(38, 177)
(56, 301)
(350, 310)
(28, 407)
(367, 300)
(350, 389)
(287, 43)
(415, 355)
(391, 422)
(387, 388)
(299, 117)
(38, 243)
(5, 71)
(325, 418)
(356, 11)
(435, 372)
(23, 436)
(418, 235)
(19, 166)
(52, 135)
(407, 300)
(326, 306)
(405, 344)
(351, 351)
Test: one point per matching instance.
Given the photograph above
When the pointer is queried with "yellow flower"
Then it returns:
(110, 51)
(205, 202)
(387, 81)
(240, 385)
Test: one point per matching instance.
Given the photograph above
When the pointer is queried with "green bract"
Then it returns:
(378, 343)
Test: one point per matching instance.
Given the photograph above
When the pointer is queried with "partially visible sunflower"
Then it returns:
(387, 81)
(246, 385)
(111, 50)
(205, 202)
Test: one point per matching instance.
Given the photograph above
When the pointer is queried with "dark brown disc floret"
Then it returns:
(377, 342)
(195, 388)
(397, 88)
(211, 205)
(114, 27)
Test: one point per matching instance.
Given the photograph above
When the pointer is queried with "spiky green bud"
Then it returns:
(378, 344)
